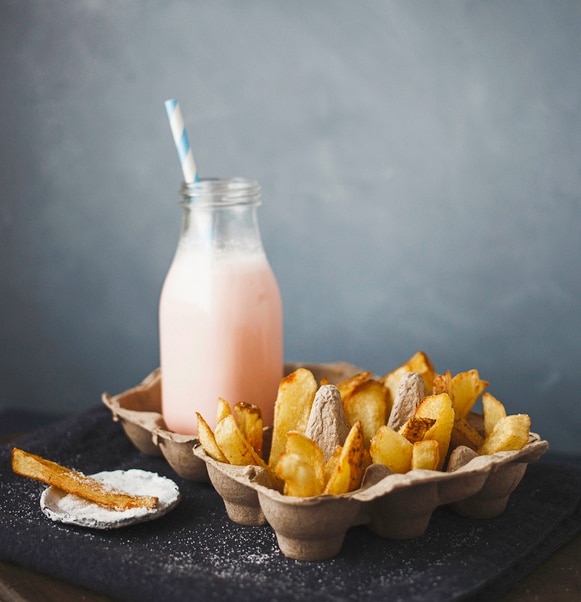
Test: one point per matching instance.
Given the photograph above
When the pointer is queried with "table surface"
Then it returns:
(557, 578)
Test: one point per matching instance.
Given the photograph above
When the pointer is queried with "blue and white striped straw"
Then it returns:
(180, 137)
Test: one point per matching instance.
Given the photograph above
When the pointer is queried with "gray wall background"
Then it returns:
(420, 164)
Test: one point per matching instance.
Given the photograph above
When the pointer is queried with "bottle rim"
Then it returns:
(221, 192)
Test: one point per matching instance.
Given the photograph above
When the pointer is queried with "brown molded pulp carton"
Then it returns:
(395, 506)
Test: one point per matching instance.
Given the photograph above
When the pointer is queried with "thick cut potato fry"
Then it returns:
(222, 409)
(370, 404)
(351, 465)
(298, 475)
(250, 424)
(208, 441)
(426, 455)
(331, 464)
(510, 433)
(443, 384)
(309, 452)
(234, 444)
(466, 389)
(494, 410)
(390, 448)
(74, 482)
(440, 408)
(420, 363)
(292, 408)
(415, 428)
(463, 433)
(347, 386)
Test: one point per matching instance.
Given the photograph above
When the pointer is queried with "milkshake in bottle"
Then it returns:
(220, 313)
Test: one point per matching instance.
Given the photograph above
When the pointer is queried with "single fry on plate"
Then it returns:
(75, 482)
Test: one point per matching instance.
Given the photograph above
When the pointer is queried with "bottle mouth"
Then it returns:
(221, 192)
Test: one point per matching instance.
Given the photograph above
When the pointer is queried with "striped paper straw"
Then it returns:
(180, 138)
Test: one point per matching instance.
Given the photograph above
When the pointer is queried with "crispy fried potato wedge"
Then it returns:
(415, 428)
(351, 465)
(347, 386)
(74, 482)
(510, 433)
(466, 389)
(331, 464)
(426, 455)
(443, 384)
(369, 403)
(234, 444)
(420, 363)
(494, 410)
(309, 452)
(292, 408)
(208, 441)
(440, 408)
(222, 409)
(463, 433)
(298, 476)
(390, 448)
(250, 424)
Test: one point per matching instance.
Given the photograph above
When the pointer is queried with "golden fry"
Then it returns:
(250, 424)
(510, 433)
(298, 475)
(390, 448)
(351, 465)
(466, 389)
(292, 408)
(493, 411)
(234, 444)
(369, 403)
(415, 428)
(426, 455)
(440, 408)
(76, 483)
(208, 441)
(420, 363)
(463, 433)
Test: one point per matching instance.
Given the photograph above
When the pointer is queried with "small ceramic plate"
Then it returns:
(74, 510)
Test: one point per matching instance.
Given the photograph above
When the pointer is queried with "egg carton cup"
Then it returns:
(139, 412)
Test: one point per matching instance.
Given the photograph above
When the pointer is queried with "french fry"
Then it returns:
(415, 428)
(466, 389)
(390, 448)
(208, 441)
(510, 433)
(347, 386)
(234, 444)
(369, 403)
(443, 384)
(310, 453)
(351, 465)
(222, 409)
(420, 363)
(250, 424)
(440, 408)
(331, 464)
(298, 475)
(463, 433)
(493, 410)
(296, 393)
(74, 482)
(425, 455)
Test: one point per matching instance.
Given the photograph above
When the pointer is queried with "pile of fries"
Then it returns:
(434, 426)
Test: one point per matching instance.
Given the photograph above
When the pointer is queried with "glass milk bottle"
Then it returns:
(220, 314)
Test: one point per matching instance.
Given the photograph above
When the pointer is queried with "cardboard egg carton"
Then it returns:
(394, 506)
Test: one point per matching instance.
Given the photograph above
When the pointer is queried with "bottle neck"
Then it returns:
(220, 215)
